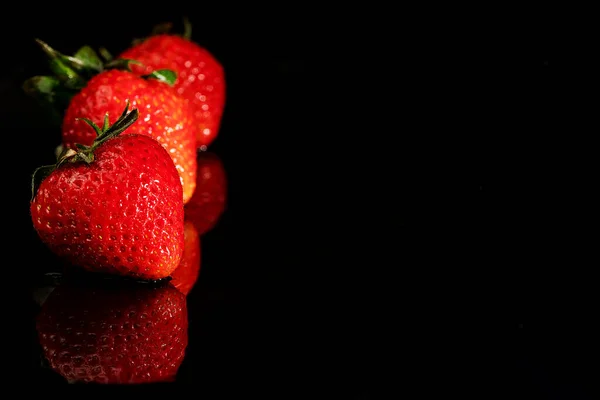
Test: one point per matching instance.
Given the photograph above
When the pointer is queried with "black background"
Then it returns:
(402, 211)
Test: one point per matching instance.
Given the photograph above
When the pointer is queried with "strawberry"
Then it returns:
(186, 274)
(208, 202)
(115, 206)
(164, 116)
(200, 77)
(118, 332)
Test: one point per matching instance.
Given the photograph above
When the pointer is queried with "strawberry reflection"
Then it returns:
(202, 213)
(114, 331)
(208, 201)
(186, 274)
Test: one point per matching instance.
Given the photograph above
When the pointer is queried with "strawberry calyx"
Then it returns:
(74, 70)
(164, 75)
(70, 74)
(86, 153)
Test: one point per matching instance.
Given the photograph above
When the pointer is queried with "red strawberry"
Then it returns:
(115, 333)
(200, 77)
(186, 274)
(164, 116)
(114, 207)
(208, 202)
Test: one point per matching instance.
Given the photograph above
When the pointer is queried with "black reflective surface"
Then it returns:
(277, 304)
(386, 225)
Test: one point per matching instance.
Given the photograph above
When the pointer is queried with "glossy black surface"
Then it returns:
(396, 215)
(278, 304)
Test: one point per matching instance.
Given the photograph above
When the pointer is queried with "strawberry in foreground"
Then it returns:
(114, 332)
(200, 77)
(209, 200)
(164, 116)
(185, 276)
(114, 207)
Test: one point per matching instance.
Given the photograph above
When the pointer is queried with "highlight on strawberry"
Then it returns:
(113, 331)
(114, 206)
(83, 85)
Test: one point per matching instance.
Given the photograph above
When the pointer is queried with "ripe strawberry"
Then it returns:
(115, 206)
(164, 116)
(186, 274)
(114, 332)
(208, 202)
(200, 77)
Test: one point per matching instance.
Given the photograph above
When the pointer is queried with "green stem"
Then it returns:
(86, 153)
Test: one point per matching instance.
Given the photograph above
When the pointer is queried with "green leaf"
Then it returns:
(85, 59)
(106, 123)
(64, 67)
(89, 58)
(38, 177)
(125, 111)
(93, 125)
(121, 63)
(63, 71)
(164, 75)
(53, 95)
(104, 53)
(41, 85)
(125, 121)
(60, 151)
(50, 52)
(86, 157)
(121, 125)
(75, 84)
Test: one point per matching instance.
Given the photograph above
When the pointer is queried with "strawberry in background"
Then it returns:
(200, 76)
(201, 214)
(113, 331)
(210, 197)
